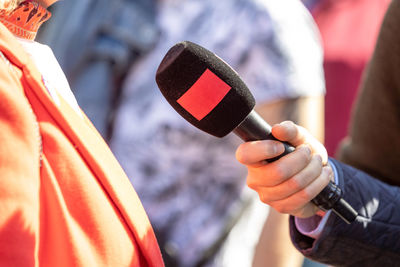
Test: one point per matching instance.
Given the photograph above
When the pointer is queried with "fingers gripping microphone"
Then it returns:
(209, 94)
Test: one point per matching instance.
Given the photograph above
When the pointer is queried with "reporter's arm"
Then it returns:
(372, 239)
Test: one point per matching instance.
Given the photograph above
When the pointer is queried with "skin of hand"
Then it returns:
(290, 183)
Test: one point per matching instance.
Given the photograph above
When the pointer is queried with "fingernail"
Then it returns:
(330, 173)
(318, 156)
(284, 123)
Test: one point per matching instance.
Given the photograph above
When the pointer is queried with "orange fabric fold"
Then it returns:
(74, 208)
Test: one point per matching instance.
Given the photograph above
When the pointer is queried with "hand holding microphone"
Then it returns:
(209, 94)
(289, 184)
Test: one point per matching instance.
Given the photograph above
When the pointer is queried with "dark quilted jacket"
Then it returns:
(373, 239)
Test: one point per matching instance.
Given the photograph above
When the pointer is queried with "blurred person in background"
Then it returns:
(97, 57)
(371, 188)
(203, 216)
(349, 29)
(64, 199)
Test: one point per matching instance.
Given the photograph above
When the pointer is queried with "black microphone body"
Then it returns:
(254, 128)
(209, 94)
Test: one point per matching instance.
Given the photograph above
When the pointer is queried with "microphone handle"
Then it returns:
(254, 128)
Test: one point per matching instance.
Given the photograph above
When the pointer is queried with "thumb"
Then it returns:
(297, 135)
(254, 153)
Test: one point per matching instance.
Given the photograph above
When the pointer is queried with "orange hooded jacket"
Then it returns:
(64, 199)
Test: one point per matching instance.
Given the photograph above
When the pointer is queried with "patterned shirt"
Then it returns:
(190, 183)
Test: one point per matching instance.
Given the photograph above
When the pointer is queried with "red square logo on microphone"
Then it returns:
(204, 95)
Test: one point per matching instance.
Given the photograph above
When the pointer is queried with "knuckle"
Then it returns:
(295, 183)
(270, 148)
(329, 170)
(251, 181)
(318, 159)
(306, 151)
(283, 209)
(245, 152)
(327, 176)
(304, 196)
(290, 128)
(263, 197)
(279, 172)
(316, 165)
(279, 208)
(303, 155)
(251, 184)
(289, 124)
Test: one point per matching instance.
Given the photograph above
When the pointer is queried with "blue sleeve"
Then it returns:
(373, 239)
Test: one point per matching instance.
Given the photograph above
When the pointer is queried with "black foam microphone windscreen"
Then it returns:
(209, 94)
(204, 89)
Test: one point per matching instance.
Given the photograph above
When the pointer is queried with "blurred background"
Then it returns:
(302, 60)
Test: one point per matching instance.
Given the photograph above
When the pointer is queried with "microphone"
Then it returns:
(210, 95)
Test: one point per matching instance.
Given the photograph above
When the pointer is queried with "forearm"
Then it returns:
(372, 238)
(305, 111)
(275, 247)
